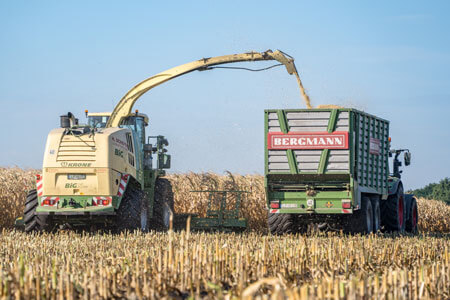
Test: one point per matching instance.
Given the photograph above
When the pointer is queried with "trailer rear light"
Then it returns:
(346, 203)
(105, 202)
(274, 205)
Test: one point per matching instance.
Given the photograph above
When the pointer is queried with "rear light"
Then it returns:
(49, 201)
(346, 203)
(102, 201)
(274, 205)
(38, 177)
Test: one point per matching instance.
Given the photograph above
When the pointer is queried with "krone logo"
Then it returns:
(75, 165)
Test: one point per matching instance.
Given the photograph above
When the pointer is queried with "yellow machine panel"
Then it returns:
(89, 164)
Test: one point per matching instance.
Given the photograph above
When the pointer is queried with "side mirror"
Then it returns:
(407, 158)
(163, 161)
(162, 141)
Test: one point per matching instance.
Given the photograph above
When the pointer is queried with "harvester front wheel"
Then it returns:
(163, 206)
(132, 213)
(32, 221)
(393, 211)
(281, 223)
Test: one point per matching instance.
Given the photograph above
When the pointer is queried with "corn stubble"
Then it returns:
(68, 265)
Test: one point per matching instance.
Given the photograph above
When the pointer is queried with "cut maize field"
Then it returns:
(252, 265)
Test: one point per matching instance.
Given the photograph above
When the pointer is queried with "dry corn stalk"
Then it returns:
(434, 216)
(67, 265)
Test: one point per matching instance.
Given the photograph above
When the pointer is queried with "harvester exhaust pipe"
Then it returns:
(68, 121)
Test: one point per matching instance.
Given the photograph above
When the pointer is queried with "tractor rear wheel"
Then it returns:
(32, 221)
(411, 223)
(362, 220)
(132, 213)
(163, 206)
(281, 223)
(393, 211)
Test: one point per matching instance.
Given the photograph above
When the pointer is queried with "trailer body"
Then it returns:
(323, 161)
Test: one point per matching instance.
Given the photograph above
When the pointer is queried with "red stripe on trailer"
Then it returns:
(274, 211)
(346, 211)
(121, 186)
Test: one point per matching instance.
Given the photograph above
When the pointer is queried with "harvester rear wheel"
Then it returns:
(163, 206)
(393, 211)
(132, 213)
(281, 223)
(411, 223)
(362, 219)
(32, 221)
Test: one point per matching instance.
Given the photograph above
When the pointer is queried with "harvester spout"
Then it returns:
(125, 105)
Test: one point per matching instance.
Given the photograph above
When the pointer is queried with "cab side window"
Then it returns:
(130, 149)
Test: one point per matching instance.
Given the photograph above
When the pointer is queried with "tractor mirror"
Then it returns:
(163, 161)
(407, 158)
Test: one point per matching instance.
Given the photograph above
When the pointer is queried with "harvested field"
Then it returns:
(69, 265)
(155, 265)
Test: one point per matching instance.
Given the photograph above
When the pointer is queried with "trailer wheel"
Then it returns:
(163, 206)
(393, 211)
(281, 223)
(362, 221)
(32, 221)
(375, 201)
(411, 223)
(132, 212)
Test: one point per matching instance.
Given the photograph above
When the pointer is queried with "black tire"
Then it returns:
(375, 201)
(281, 223)
(163, 206)
(133, 210)
(413, 220)
(393, 211)
(33, 222)
(362, 219)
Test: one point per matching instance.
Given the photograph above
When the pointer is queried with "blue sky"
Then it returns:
(389, 58)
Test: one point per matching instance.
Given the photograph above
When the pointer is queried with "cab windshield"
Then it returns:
(98, 121)
(136, 124)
